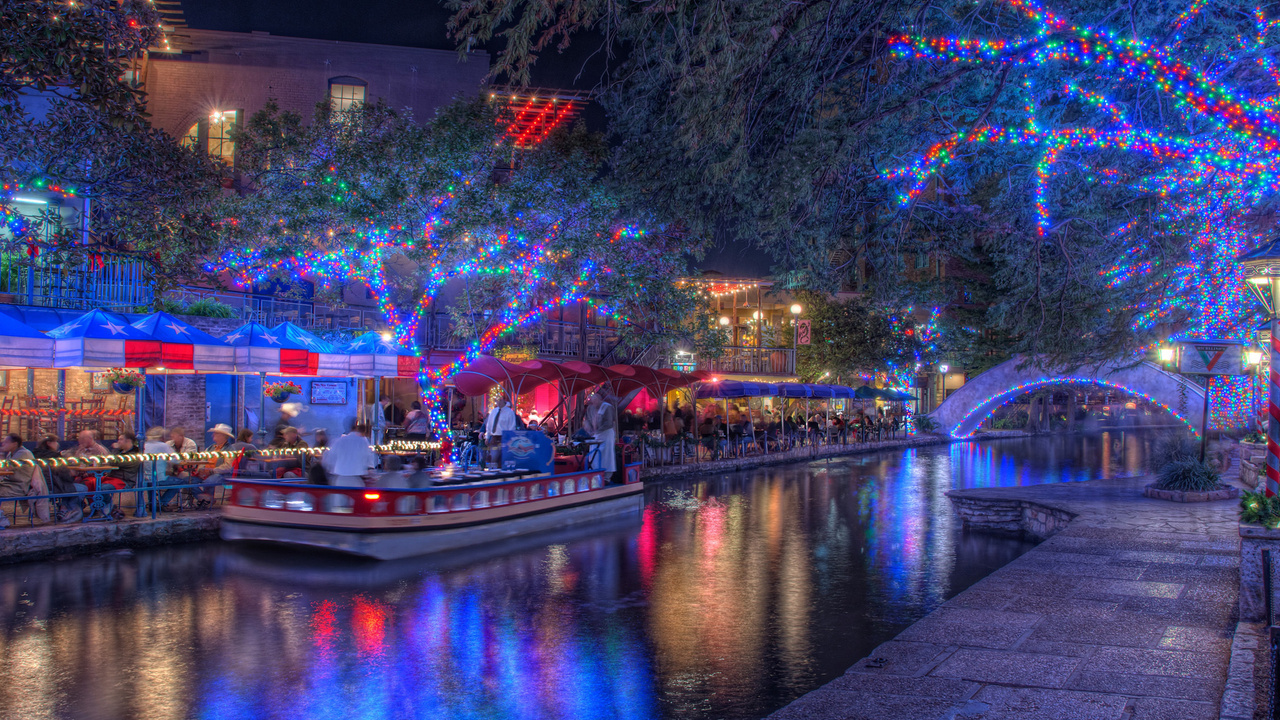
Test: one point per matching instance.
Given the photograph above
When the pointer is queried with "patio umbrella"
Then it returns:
(260, 349)
(372, 356)
(186, 347)
(22, 346)
(100, 339)
(330, 360)
(866, 392)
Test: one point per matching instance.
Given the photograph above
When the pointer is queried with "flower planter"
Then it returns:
(1224, 492)
(122, 388)
(281, 397)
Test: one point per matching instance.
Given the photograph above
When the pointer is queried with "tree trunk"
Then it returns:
(1031, 414)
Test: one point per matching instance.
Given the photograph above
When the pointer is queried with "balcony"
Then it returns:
(120, 284)
(752, 361)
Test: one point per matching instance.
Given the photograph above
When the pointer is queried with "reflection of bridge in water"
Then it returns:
(965, 409)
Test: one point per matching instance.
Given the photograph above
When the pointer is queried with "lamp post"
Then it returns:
(1262, 271)
(943, 369)
(1254, 359)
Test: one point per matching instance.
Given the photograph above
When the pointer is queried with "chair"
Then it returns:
(6, 418)
(116, 421)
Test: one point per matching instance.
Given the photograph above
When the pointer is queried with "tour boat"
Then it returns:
(465, 509)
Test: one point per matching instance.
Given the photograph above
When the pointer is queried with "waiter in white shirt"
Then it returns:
(502, 419)
(349, 458)
(603, 426)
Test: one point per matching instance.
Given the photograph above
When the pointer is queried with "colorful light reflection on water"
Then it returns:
(729, 597)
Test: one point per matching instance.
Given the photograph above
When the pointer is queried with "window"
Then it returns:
(221, 146)
(922, 260)
(213, 135)
(345, 93)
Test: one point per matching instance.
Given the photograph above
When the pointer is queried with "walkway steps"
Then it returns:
(1127, 613)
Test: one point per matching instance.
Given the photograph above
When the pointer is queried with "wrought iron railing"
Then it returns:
(107, 281)
(752, 361)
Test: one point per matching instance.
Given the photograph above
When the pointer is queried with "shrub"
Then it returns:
(925, 424)
(1188, 476)
(1256, 507)
(208, 307)
(1172, 447)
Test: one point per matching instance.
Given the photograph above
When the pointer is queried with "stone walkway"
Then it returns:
(1126, 614)
(22, 542)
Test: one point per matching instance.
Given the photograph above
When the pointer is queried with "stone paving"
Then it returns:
(29, 543)
(1126, 614)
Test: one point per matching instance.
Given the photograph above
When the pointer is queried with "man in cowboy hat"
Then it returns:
(218, 466)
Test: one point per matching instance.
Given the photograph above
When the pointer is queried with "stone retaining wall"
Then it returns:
(692, 469)
(1253, 540)
(1019, 518)
(22, 543)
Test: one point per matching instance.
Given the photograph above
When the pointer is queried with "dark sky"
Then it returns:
(410, 23)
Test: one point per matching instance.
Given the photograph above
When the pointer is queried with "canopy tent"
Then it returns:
(329, 360)
(186, 347)
(794, 390)
(822, 391)
(23, 346)
(100, 339)
(737, 389)
(485, 372)
(840, 392)
(373, 356)
(866, 392)
(263, 350)
(898, 395)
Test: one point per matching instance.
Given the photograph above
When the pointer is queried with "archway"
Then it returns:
(965, 409)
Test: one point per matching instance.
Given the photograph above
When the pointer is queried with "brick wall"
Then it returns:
(241, 71)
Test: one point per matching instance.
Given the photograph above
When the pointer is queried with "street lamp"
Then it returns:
(943, 369)
(724, 320)
(795, 329)
(1166, 354)
(1262, 273)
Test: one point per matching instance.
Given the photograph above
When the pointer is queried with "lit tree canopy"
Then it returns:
(1106, 160)
(73, 124)
(855, 340)
(446, 210)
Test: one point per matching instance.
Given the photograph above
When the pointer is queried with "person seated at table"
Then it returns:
(87, 445)
(289, 440)
(157, 470)
(24, 480)
(126, 473)
(179, 441)
(217, 468)
(416, 423)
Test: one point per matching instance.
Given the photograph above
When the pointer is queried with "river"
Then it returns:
(729, 597)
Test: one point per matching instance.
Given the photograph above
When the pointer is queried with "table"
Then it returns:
(98, 502)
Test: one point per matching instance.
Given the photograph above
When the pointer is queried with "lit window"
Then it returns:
(344, 94)
(221, 125)
(192, 138)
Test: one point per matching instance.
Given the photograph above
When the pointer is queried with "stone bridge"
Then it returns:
(961, 413)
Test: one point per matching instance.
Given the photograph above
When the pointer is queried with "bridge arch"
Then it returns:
(961, 413)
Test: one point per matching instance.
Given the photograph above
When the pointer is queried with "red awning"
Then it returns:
(485, 372)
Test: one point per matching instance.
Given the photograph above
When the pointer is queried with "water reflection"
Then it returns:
(730, 596)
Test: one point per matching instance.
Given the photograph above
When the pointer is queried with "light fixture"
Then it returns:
(755, 315)
(1166, 354)
(386, 336)
(1253, 357)
(796, 309)
(724, 320)
(943, 369)
(31, 200)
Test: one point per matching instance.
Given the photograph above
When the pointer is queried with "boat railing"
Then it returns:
(399, 502)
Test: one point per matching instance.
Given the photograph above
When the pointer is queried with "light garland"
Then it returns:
(393, 446)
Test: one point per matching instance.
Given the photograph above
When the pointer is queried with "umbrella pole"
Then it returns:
(262, 407)
(62, 404)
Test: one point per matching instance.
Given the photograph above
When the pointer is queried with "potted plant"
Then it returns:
(280, 391)
(124, 380)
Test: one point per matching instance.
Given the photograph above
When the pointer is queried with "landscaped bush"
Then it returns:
(1188, 476)
(1172, 447)
(208, 307)
(925, 424)
(1256, 507)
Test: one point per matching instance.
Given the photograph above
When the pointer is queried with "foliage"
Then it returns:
(1172, 447)
(447, 216)
(126, 377)
(925, 424)
(1254, 437)
(1256, 507)
(202, 307)
(279, 389)
(1047, 153)
(73, 128)
(853, 337)
(1188, 476)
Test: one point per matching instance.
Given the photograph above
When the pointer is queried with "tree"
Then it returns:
(446, 211)
(73, 124)
(1084, 155)
(855, 338)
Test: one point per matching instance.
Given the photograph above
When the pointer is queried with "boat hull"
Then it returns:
(390, 538)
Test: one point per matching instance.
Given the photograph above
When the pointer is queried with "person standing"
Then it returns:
(350, 458)
(604, 422)
(416, 423)
(502, 419)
